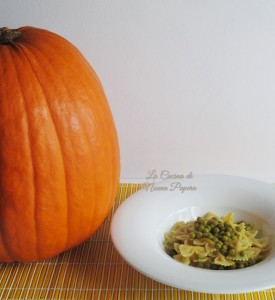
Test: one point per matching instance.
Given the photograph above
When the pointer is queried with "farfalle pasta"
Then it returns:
(216, 243)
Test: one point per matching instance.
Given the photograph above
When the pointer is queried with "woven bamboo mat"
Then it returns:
(94, 270)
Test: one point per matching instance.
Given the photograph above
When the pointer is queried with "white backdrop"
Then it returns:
(191, 83)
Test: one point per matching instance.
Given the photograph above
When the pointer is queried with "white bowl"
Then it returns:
(139, 224)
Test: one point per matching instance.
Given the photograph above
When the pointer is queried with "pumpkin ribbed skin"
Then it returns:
(59, 154)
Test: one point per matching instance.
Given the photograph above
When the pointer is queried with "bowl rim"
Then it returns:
(166, 269)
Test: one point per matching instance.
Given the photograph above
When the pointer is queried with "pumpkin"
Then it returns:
(59, 152)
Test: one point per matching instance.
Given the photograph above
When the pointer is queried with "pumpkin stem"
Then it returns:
(8, 35)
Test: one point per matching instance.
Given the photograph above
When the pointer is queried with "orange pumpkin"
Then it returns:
(59, 154)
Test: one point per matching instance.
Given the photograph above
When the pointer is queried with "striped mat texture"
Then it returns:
(94, 270)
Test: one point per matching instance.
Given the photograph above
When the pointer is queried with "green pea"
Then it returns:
(220, 226)
(225, 238)
(201, 227)
(198, 235)
(251, 262)
(218, 245)
(203, 222)
(224, 247)
(241, 265)
(206, 229)
(224, 251)
(200, 265)
(207, 235)
(242, 253)
(192, 235)
(227, 243)
(230, 229)
(232, 252)
(215, 221)
(214, 239)
(216, 230)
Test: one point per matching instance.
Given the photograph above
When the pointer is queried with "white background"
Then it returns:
(191, 83)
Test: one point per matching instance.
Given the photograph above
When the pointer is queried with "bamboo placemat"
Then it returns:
(94, 270)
